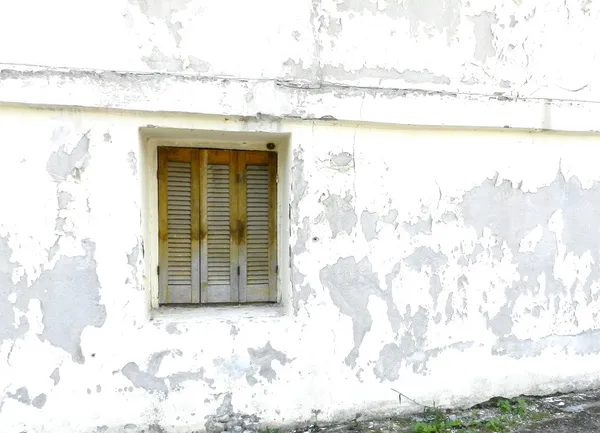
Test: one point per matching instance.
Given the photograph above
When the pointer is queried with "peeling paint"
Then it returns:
(132, 160)
(421, 225)
(62, 163)
(343, 159)
(148, 380)
(70, 300)
(425, 256)
(368, 221)
(340, 214)
(484, 47)
(389, 362)
(518, 214)
(39, 401)
(55, 376)
(350, 284)
(407, 75)
(431, 15)
(264, 358)
(21, 395)
(585, 343)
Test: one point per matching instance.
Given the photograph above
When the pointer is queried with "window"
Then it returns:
(217, 226)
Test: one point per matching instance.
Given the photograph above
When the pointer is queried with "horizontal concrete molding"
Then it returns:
(158, 92)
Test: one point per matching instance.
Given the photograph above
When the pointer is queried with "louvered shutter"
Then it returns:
(219, 281)
(179, 272)
(259, 242)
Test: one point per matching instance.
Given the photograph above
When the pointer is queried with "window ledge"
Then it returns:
(221, 312)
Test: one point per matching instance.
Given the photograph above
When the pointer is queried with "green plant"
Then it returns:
(426, 427)
(520, 407)
(504, 406)
(495, 424)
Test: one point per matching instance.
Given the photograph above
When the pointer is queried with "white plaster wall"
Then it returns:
(453, 265)
(520, 48)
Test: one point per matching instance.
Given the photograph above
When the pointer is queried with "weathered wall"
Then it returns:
(454, 262)
(453, 265)
(542, 49)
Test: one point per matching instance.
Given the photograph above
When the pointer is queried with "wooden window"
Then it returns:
(217, 226)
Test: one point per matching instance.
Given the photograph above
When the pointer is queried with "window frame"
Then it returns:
(237, 160)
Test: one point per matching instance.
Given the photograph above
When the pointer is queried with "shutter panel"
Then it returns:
(220, 279)
(260, 253)
(257, 233)
(179, 276)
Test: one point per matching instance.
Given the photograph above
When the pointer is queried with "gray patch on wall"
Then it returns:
(350, 284)
(340, 214)
(159, 61)
(419, 226)
(62, 163)
(55, 376)
(8, 329)
(173, 329)
(149, 381)
(391, 217)
(340, 160)
(484, 37)
(436, 15)
(407, 75)
(264, 357)
(155, 9)
(132, 160)
(39, 401)
(585, 343)
(299, 184)
(368, 221)
(69, 297)
(144, 380)
(410, 349)
(22, 396)
(511, 214)
(134, 260)
(425, 256)
(301, 291)
(302, 234)
(389, 362)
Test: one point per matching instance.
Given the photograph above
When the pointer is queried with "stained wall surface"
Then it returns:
(438, 201)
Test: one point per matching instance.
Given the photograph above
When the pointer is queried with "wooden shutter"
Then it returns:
(258, 244)
(217, 226)
(178, 204)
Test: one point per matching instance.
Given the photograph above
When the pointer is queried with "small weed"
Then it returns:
(520, 407)
(515, 407)
(504, 406)
(494, 425)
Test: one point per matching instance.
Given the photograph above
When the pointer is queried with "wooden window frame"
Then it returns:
(237, 160)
